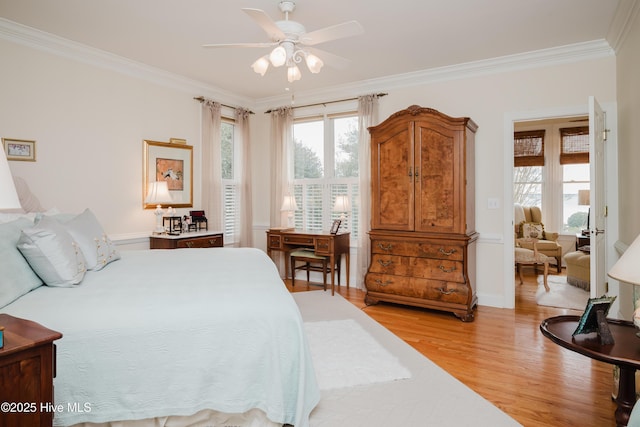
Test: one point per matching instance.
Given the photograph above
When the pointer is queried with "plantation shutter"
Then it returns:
(528, 148)
(575, 145)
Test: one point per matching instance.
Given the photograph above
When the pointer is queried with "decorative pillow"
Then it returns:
(17, 276)
(532, 230)
(97, 248)
(6, 216)
(52, 253)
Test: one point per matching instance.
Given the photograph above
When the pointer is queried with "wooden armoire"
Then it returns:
(423, 238)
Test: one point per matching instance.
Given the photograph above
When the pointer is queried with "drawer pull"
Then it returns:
(189, 244)
(447, 253)
(385, 248)
(212, 241)
(444, 291)
(381, 283)
(385, 263)
(446, 270)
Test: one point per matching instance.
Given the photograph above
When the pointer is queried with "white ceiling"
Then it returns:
(401, 36)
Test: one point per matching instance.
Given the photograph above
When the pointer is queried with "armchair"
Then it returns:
(529, 228)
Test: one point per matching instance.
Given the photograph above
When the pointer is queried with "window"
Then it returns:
(230, 182)
(551, 167)
(325, 166)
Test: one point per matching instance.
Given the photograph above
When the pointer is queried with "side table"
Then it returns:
(27, 369)
(624, 353)
(196, 239)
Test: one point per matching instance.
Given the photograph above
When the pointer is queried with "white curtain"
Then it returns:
(244, 221)
(211, 164)
(281, 162)
(367, 116)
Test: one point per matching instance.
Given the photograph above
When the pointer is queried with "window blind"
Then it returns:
(528, 148)
(575, 145)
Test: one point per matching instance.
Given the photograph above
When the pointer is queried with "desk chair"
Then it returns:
(312, 262)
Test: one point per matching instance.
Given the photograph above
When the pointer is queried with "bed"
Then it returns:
(152, 334)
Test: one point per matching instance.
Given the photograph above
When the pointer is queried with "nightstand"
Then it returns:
(27, 369)
(198, 239)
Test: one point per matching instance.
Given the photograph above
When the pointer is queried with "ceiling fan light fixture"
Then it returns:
(261, 65)
(278, 56)
(293, 73)
(314, 63)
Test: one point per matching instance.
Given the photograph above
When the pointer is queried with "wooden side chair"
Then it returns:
(525, 256)
(311, 262)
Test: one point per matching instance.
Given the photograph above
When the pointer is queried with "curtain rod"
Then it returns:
(328, 102)
(201, 99)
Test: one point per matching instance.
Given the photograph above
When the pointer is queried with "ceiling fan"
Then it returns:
(292, 42)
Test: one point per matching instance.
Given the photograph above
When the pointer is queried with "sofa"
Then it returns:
(529, 229)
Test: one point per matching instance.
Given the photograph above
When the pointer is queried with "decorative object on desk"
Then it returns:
(175, 225)
(335, 226)
(594, 319)
(171, 163)
(584, 199)
(627, 269)
(158, 195)
(342, 205)
(289, 205)
(198, 220)
(8, 194)
(19, 149)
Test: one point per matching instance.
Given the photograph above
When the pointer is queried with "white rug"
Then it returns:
(345, 355)
(430, 397)
(561, 295)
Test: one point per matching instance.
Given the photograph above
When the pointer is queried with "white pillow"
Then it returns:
(97, 248)
(17, 276)
(51, 252)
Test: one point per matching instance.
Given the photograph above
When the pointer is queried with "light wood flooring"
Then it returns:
(504, 357)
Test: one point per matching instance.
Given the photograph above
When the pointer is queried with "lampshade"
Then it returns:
(158, 193)
(289, 204)
(8, 195)
(293, 73)
(314, 63)
(261, 65)
(627, 269)
(341, 204)
(583, 197)
(278, 56)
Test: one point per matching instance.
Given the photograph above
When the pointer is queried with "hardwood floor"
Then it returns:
(504, 357)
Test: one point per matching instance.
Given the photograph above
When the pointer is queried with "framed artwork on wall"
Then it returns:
(19, 149)
(172, 163)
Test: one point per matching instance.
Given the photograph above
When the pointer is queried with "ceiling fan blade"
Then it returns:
(334, 61)
(339, 31)
(239, 45)
(265, 22)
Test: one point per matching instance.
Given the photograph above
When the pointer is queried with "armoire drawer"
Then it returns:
(444, 250)
(426, 268)
(435, 290)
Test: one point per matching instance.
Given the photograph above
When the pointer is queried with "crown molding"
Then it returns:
(53, 44)
(623, 19)
(36, 39)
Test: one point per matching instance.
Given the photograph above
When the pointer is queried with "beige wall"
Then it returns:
(90, 123)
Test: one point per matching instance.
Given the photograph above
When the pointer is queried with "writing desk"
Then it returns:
(322, 242)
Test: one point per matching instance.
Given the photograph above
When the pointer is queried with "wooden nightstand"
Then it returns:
(198, 239)
(27, 369)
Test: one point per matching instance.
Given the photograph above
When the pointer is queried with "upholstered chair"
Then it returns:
(529, 228)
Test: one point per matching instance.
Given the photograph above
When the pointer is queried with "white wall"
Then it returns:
(90, 122)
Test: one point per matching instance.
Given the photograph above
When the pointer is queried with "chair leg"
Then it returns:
(519, 268)
(293, 272)
(546, 271)
(559, 263)
(307, 266)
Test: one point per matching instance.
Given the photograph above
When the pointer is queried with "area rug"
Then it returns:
(430, 397)
(561, 294)
(345, 355)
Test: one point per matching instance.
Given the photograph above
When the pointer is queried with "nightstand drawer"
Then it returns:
(201, 242)
(187, 240)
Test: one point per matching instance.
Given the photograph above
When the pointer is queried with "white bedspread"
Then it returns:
(171, 332)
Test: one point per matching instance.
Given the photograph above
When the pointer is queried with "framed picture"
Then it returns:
(335, 226)
(19, 149)
(172, 163)
(589, 320)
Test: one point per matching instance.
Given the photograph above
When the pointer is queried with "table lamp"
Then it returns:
(289, 205)
(627, 270)
(584, 200)
(341, 204)
(158, 195)
(8, 195)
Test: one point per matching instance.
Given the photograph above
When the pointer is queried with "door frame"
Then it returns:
(611, 186)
